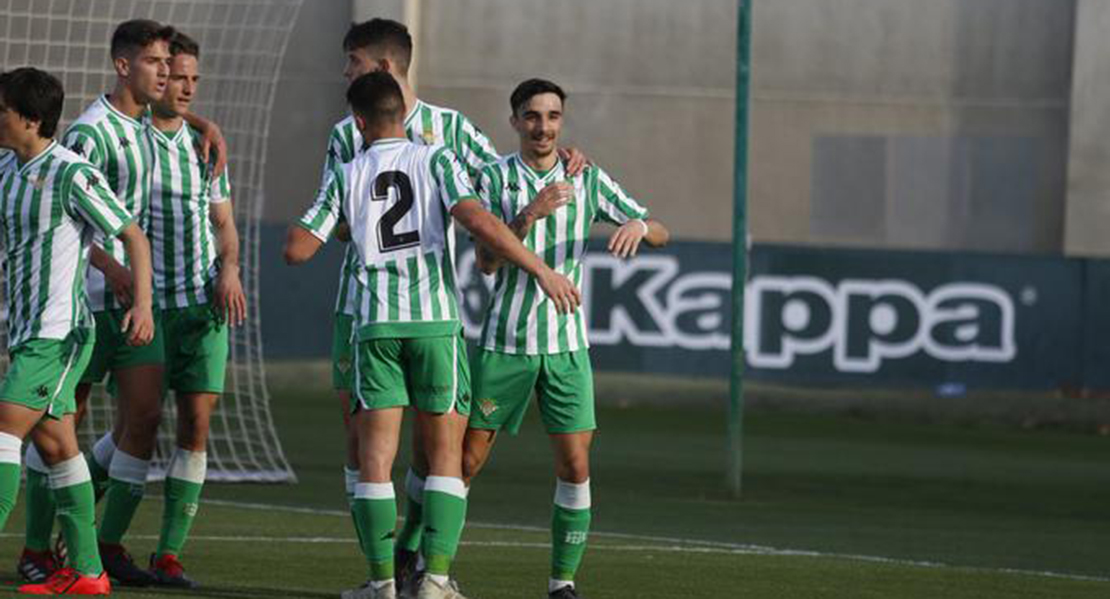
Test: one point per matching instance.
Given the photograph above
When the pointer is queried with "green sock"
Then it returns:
(570, 528)
(99, 460)
(184, 482)
(39, 501)
(413, 528)
(350, 479)
(444, 515)
(125, 492)
(375, 509)
(73, 494)
(9, 474)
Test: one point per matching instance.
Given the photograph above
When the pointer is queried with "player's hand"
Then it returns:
(213, 139)
(575, 161)
(138, 324)
(120, 282)
(625, 241)
(561, 290)
(231, 302)
(550, 199)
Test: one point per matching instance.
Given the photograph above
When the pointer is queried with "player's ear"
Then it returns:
(360, 123)
(386, 65)
(123, 66)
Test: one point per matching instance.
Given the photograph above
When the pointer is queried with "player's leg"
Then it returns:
(567, 408)
(38, 392)
(438, 377)
(407, 547)
(380, 397)
(195, 341)
(502, 387)
(342, 372)
(137, 373)
(100, 458)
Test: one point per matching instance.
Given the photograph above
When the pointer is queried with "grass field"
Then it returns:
(834, 507)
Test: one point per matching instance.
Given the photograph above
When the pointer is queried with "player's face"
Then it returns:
(181, 88)
(14, 127)
(148, 71)
(538, 123)
(361, 62)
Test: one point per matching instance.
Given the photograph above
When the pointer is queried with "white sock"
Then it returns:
(103, 450)
(189, 466)
(34, 461)
(9, 449)
(554, 585)
(439, 579)
(128, 468)
(381, 584)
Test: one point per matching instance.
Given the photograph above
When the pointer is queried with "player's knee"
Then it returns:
(193, 432)
(574, 469)
(144, 421)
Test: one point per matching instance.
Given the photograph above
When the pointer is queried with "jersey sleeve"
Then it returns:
(473, 147)
(325, 212)
(340, 151)
(490, 190)
(220, 191)
(83, 140)
(613, 204)
(89, 198)
(451, 178)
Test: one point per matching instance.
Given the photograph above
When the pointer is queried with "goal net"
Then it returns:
(242, 45)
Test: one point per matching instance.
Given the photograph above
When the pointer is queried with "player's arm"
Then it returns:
(89, 199)
(212, 138)
(117, 275)
(633, 225)
(547, 201)
(625, 241)
(305, 237)
(230, 299)
(489, 231)
(138, 321)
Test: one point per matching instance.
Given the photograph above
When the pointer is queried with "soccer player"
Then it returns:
(385, 45)
(113, 134)
(51, 200)
(195, 246)
(397, 198)
(527, 345)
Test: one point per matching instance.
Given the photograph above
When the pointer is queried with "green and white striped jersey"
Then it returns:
(120, 147)
(396, 196)
(521, 319)
(427, 125)
(49, 208)
(182, 241)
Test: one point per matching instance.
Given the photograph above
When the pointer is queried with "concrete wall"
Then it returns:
(1088, 205)
(901, 123)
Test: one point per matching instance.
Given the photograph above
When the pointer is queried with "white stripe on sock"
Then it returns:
(34, 461)
(446, 484)
(374, 491)
(189, 466)
(572, 496)
(128, 468)
(73, 471)
(103, 450)
(414, 487)
(9, 449)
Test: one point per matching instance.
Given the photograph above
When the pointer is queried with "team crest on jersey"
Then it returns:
(344, 366)
(487, 406)
(428, 136)
(39, 182)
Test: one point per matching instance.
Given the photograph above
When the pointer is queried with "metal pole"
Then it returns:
(739, 251)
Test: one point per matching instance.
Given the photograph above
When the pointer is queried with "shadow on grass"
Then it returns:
(213, 591)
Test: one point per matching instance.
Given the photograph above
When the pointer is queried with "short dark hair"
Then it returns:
(534, 87)
(35, 95)
(183, 44)
(377, 98)
(385, 34)
(137, 34)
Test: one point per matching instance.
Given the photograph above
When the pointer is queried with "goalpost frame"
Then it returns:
(734, 475)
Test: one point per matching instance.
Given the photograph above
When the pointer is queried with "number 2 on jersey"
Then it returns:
(388, 239)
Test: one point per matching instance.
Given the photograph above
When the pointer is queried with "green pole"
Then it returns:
(739, 251)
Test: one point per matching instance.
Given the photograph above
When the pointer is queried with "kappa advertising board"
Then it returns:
(820, 315)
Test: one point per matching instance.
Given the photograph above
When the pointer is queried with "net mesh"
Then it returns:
(242, 46)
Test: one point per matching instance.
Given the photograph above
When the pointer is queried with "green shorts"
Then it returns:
(195, 340)
(341, 366)
(428, 373)
(44, 373)
(112, 352)
(563, 382)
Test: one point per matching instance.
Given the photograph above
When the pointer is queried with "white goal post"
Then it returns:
(242, 44)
